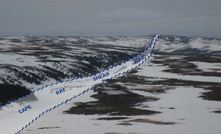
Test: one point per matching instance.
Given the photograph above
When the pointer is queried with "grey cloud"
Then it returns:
(110, 17)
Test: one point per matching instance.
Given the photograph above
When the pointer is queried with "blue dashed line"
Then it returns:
(91, 74)
(79, 94)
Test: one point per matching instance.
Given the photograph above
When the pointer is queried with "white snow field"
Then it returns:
(192, 114)
(14, 117)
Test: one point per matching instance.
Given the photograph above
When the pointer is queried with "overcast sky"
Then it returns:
(110, 17)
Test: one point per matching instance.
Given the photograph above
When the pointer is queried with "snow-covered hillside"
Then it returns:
(34, 60)
(168, 43)
(58, 93)
(178, 89)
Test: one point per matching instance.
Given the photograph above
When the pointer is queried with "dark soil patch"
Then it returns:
(150, 121)
(183, 65)
(113, 118)
(214, 88)
(218, 112)
(125, 124)
(48, 127)
(12, 92)
(120, 104)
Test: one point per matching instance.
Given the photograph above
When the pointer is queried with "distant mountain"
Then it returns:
(30, 61)
(167, 43)
(189, 45)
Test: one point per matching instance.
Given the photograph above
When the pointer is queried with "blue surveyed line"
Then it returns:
(83, 76)
(87, 89)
